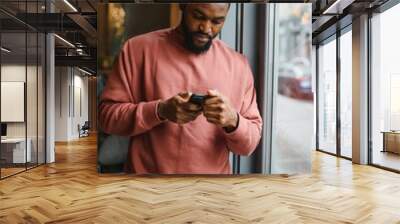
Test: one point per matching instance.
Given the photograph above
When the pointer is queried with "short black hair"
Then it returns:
(183, 5)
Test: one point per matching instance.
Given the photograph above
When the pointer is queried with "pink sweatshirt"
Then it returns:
(156, 66)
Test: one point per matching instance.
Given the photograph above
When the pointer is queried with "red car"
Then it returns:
(295, 82)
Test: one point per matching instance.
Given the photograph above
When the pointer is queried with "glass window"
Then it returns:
(22, 90)
(31, 99)
(327, 97)
(41, 79)
(385, 89)
(293, 126)
(346, 94)
(15, 149)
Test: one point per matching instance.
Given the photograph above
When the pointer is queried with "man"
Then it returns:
(147, 97)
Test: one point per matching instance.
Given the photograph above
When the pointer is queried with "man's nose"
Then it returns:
(205, 27)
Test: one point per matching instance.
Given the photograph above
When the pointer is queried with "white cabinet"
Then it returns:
(17, 147)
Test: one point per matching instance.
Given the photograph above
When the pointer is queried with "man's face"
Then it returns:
(201, 23)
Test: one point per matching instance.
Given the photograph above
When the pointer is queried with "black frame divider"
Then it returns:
(338, 96)
(26, 88)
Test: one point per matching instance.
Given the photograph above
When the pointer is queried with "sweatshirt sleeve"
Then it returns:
(245, 138)
(120, 111)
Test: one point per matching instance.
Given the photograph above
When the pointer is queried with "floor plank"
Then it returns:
(71, 191)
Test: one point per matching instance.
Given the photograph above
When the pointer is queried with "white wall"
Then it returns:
(17, 73)
(61, 103)
(50, 93)
(14, 73)
(71, 93)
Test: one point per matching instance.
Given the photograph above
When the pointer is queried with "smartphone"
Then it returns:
(197, 99)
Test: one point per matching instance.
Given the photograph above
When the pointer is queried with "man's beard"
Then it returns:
(189, 44)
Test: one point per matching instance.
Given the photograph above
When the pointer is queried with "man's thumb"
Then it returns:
(185, 95)
(212, 92)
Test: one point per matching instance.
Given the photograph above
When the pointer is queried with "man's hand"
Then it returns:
(218, 110)
(178, 109)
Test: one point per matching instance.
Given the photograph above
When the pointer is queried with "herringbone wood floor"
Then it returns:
(71, 191)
